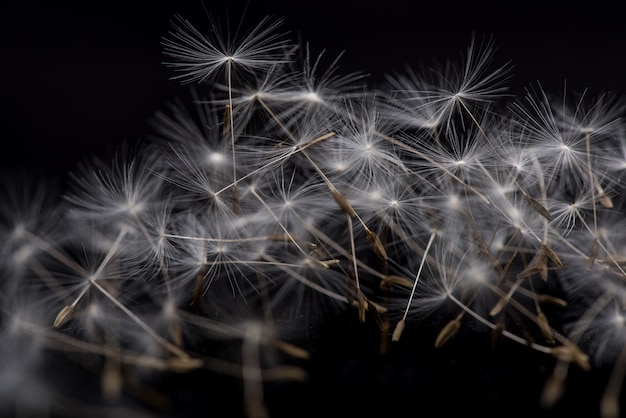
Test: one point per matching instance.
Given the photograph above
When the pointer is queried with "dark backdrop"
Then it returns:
(78, 79)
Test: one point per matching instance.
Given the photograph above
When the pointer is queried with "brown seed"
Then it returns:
(397, 331)
(236, 201)
(376, 244)
(448, 332)
(570, 352)
(111, 381)
(65, 315)
(552, 300)
(609, 406)
(496, 335)
(539, 208)
(552, 255)
(292, 350)
(498, 307)
(175, 331)
(545, 327)
(390, 279)
(605, 200)
(552, 391)
(343, 203)
(593, 254)
(376, 313)
(538, 265)
(362, 308)
(184, 364)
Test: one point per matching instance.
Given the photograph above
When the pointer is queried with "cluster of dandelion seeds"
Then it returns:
(286, 192)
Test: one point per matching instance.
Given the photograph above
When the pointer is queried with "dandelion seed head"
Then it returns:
(476, 273)
(376, 195)
(132, 207)
(454, 202)
(19, 231)
(170, 309)
(515, 215)
(502, 190)
(24, 254)
(216, 158)
(94, 311)
(311, 96)
(498, 243)
(201, 56)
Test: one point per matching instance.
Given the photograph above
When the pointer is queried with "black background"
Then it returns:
(77, 79)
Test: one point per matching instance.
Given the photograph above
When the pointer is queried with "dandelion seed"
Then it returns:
(184, 364)
(552, 300)
(198, 56)
(448, 331)
(571, 353)
(64, 316)
(538, 265)
(552, 391)
(400, 326)
(545, 327)
(111, 380)
(551, 255)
